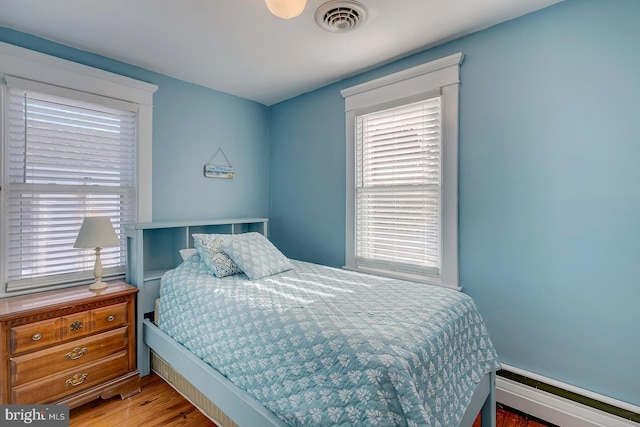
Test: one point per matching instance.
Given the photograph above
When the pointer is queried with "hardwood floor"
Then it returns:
(158, 404)
(506, 418)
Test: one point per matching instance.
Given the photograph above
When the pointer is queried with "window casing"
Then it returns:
(402, 190)
(76, 141)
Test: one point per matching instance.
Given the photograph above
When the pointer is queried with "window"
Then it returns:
(67, 159)
(397, 188)
(76, 142)
(402, 137)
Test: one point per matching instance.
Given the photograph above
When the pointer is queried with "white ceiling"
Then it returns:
(238, 47)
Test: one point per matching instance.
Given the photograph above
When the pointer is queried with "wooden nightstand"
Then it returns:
(68, 346)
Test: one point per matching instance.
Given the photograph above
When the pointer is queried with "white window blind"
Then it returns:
(398, 165)
(66, 159)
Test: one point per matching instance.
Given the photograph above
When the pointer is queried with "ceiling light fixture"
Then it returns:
(286, 9)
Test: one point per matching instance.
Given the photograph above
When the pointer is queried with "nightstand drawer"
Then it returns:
(66, 356)
(34, 335)
(51, 388)
(76, 325)
(109, 317)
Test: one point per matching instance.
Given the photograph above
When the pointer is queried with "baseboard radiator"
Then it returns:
(561, 404)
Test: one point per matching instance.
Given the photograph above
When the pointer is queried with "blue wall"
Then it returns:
(190, 122)
(549, 181)
(549, 187)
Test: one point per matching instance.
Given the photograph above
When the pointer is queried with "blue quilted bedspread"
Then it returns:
(320, 346)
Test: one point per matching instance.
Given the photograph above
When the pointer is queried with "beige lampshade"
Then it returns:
(286, 9)
(96, 232)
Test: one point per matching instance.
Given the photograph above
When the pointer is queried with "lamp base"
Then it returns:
(98, 285)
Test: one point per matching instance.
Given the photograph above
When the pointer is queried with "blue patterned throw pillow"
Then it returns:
(208, 246)
(255, 255)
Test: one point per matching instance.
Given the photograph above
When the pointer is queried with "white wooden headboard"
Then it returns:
(153, 248)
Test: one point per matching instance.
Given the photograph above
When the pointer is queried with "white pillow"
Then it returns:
(208, 246)
(255, 255)
(186, 253)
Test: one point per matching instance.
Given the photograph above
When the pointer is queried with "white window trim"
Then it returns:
(40, 67)
(442, 75)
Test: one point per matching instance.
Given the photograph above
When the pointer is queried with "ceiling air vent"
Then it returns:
(340, 16)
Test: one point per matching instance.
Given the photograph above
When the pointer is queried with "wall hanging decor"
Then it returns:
(212, 170)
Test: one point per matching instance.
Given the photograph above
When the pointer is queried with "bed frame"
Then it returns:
(246, 411)
(229, 405)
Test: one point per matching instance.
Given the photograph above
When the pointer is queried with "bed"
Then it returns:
(292, 348)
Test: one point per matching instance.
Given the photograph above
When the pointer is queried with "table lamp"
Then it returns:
(97, 232)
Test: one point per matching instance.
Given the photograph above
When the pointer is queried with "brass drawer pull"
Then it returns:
(77, 379)
(36, 337)
(111, 318)
(77, 353)
(76, 325)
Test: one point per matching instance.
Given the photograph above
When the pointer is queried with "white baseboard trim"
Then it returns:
(552, 408)
(577, 390)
